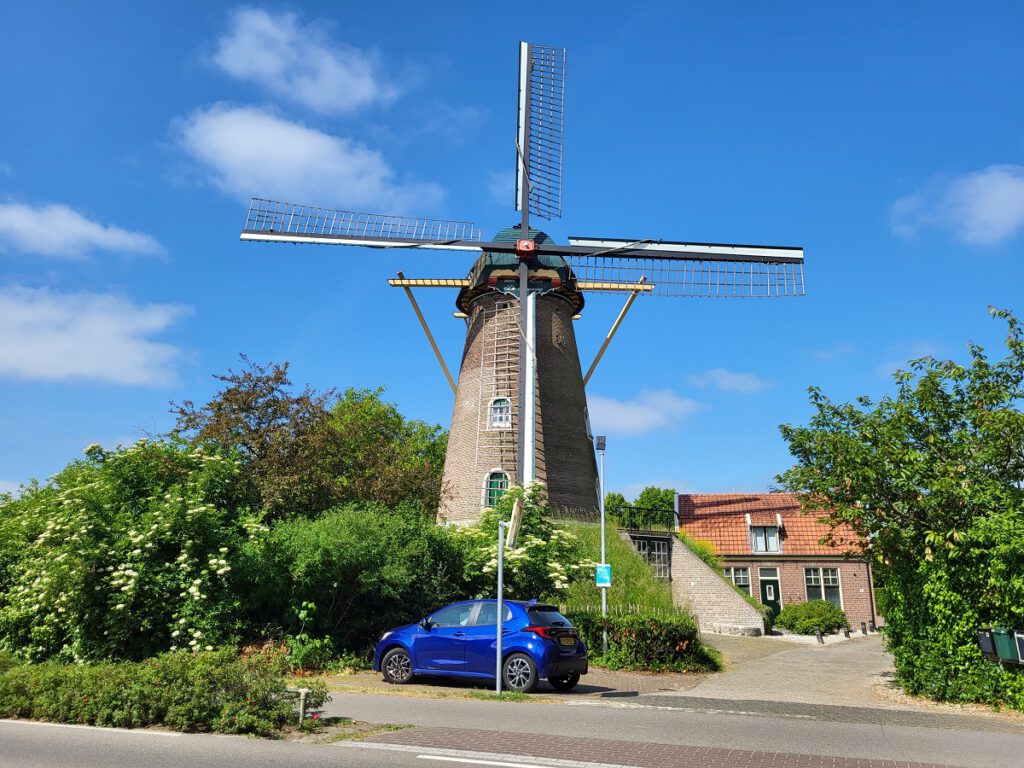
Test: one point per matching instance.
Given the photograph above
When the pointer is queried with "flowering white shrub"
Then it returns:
(123, 555)
(544, 561)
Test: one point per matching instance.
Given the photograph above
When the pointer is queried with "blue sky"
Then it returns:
(886, 139)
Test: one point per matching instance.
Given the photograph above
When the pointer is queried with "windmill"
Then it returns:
(520, 402)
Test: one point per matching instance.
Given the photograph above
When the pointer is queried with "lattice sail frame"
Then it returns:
(271, 217)
(540, 129)
(690, 278)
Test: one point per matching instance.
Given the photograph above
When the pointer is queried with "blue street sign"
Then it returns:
(604, 576)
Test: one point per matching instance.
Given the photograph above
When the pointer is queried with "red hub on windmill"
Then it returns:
(525, 249)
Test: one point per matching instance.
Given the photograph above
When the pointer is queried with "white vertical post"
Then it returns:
(604, 557)
(498, 621)
(530, 405)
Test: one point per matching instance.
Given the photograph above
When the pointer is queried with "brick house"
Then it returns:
(772, 552)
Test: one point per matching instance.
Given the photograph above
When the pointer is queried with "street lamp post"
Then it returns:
(601, 442)
(501, 589)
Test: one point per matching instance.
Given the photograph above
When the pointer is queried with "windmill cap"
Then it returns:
(491, 264)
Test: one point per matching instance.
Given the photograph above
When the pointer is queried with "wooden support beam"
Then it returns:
(592, 286)
(426, 330)
(615, 326)
(437, 282)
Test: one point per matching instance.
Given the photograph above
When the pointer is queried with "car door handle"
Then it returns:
(460, 634)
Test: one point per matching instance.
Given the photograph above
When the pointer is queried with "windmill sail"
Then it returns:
(539, 138)
(702, 270)
(287, 222)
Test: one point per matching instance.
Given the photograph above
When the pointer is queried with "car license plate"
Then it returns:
(567, 640)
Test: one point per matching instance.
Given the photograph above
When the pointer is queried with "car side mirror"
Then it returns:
(426, 624)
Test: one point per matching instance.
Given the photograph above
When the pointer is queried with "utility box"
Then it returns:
(1005, 646)
(986, 644)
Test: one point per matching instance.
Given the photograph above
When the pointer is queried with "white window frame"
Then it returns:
(730, 574)
(754, 539)
(821, 582)
(504, 424)
(487, 484)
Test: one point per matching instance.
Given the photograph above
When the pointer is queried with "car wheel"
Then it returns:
(520, 673)
(396, 666)
(564, 683)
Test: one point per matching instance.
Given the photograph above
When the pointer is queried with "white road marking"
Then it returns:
(480, 762)
(102, 729)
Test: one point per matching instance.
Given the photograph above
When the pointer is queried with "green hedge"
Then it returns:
(649, 641)
(805, 618)
(207, 691)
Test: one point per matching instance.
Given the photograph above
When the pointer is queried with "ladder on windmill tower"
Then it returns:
(499, 387)
(527, 350)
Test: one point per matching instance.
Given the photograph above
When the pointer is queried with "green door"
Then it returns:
(770, 596)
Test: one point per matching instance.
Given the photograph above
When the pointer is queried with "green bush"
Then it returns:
(348, 575)
(805, 618)
(648, 641)
(206, 691)
(123, 555)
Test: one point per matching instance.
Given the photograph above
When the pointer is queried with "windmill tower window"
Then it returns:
(497, 484)
(499, 414)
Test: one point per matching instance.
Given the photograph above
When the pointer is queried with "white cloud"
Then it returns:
(57, 230)
(837, 350)
(725, 380)
(247, 151)
(983, 207)
(502, 185)
(649, 410)
(52, 336)
(297, 61)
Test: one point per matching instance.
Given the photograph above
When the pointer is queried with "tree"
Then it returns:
(288, 454)
(930, 482)
(614, 501)
(304, 452)
(653, 509)
(387, 458)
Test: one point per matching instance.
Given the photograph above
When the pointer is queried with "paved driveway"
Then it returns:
(852, 673)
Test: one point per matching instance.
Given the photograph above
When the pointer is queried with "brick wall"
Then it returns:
(565, 456)
(855, 590)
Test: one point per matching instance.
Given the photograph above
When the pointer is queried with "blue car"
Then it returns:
(459, 641)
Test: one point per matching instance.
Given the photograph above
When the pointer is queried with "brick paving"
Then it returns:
(990, 723)
(617, 753)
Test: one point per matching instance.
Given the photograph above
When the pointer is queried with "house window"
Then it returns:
(497, 484)
(765, 538)
(823, 584)
(740, 577)
(499, 414)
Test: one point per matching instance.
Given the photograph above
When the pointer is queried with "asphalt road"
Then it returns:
(463, 724)
(976, 742)
(38, 745)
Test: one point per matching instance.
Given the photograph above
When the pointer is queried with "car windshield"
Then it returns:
(547, 616)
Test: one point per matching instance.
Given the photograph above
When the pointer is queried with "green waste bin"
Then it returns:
(1005, 646)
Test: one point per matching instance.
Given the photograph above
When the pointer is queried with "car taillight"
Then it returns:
(544, 632)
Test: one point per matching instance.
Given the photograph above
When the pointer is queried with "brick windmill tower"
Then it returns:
(520, 410)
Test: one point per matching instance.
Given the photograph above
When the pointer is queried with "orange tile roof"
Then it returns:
(721, 519)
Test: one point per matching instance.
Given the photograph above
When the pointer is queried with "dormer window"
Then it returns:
(499, 415)
(764, 538)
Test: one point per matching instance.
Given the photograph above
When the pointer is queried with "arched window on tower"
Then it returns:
(497, 484)
(499, 414)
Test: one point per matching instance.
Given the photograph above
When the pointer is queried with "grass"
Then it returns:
(331, 730)
(633, 582)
